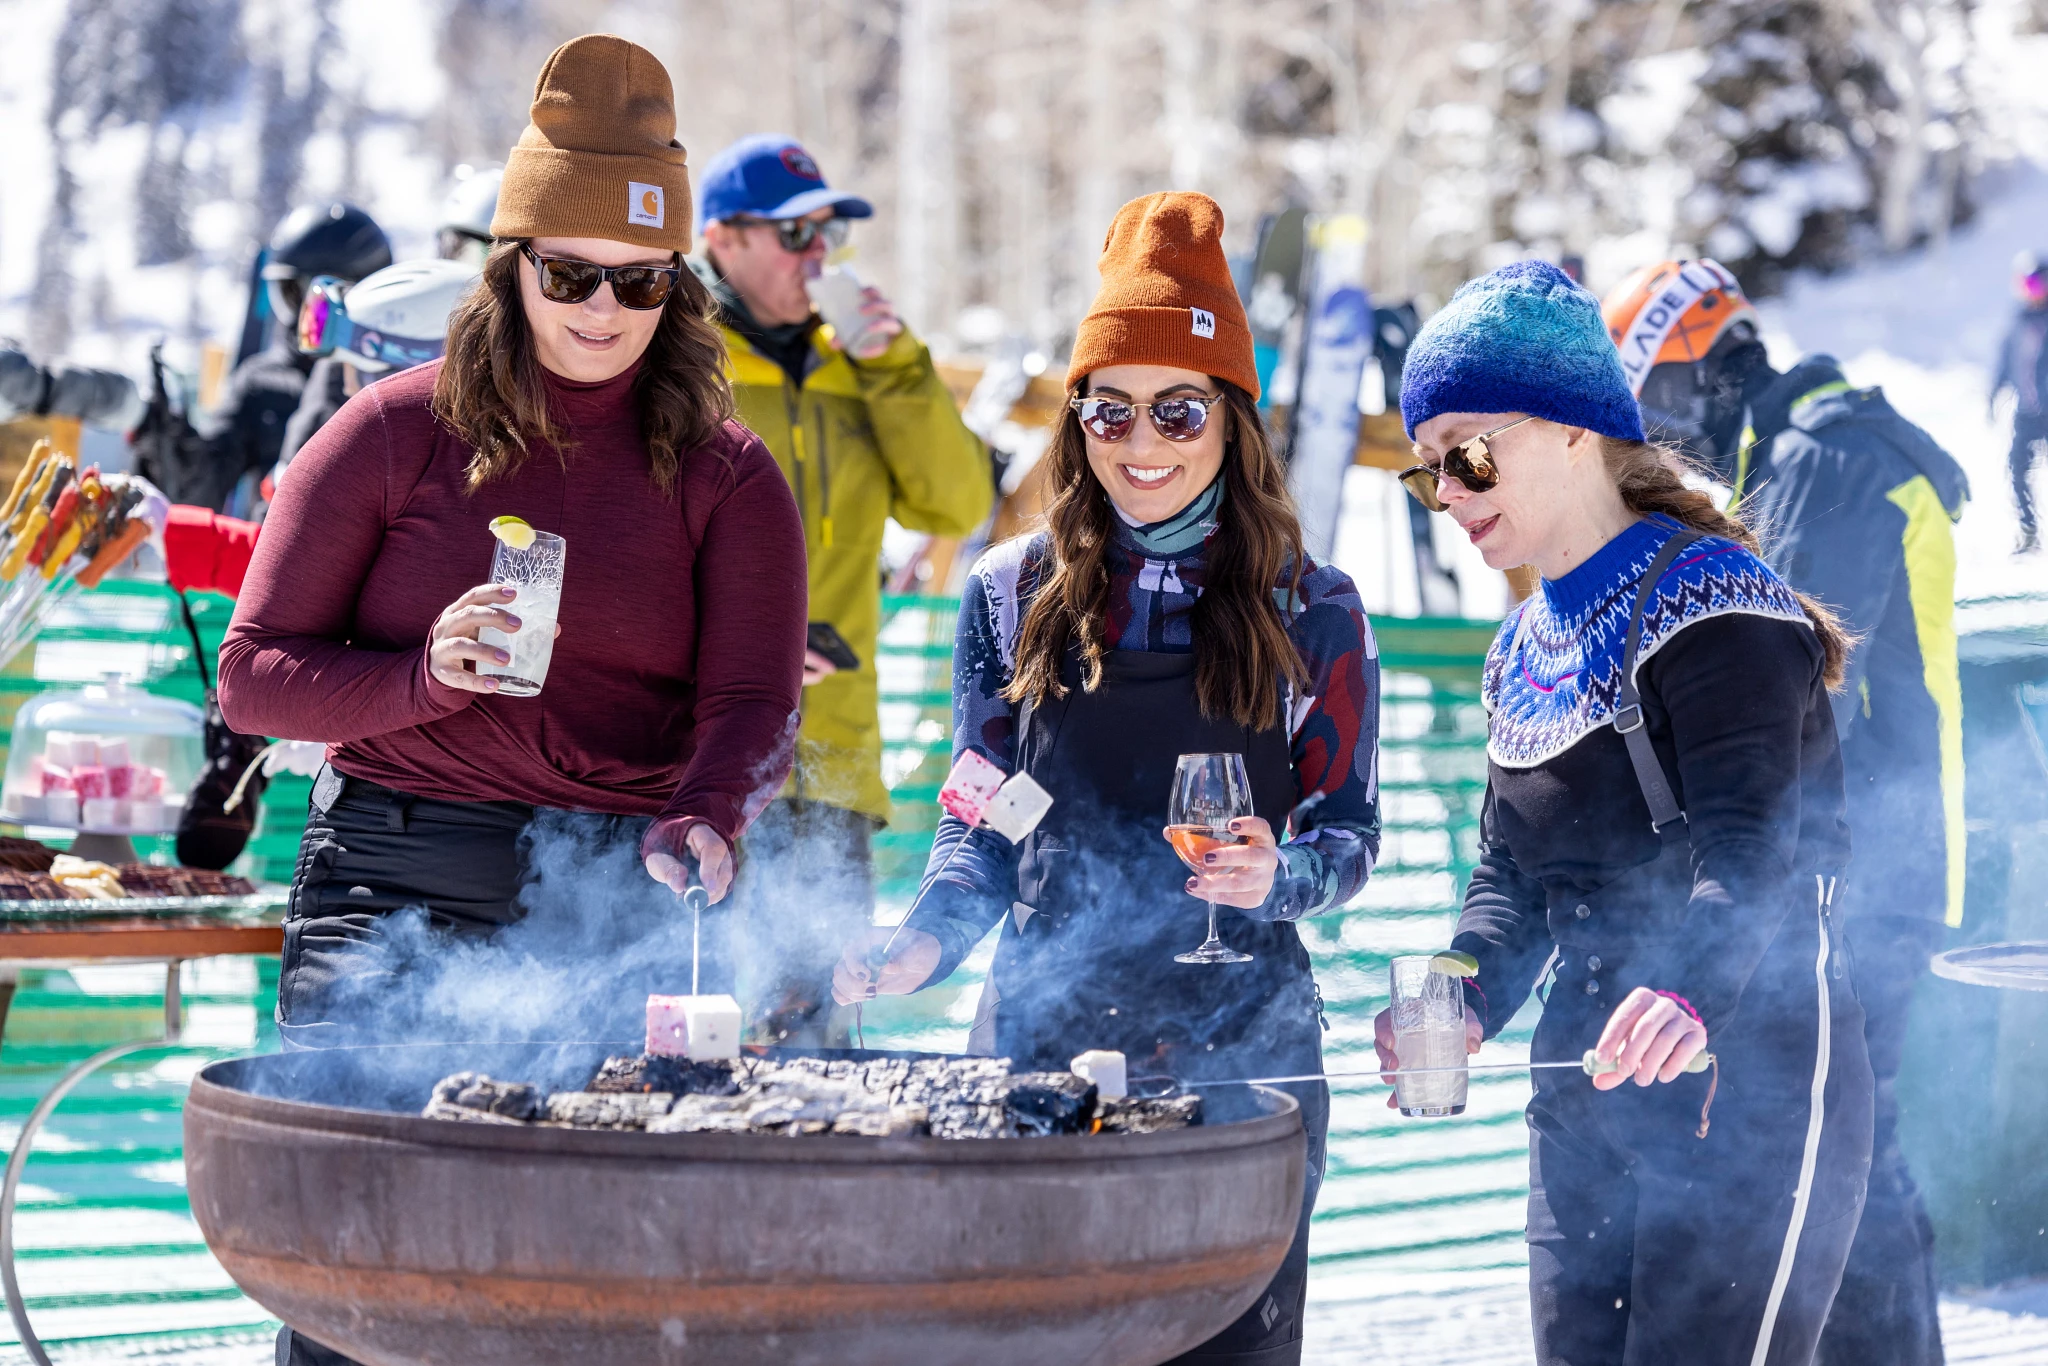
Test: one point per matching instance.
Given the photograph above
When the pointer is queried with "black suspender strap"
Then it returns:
(1665, 813)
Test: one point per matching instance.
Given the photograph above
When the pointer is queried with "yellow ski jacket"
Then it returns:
(861, 441)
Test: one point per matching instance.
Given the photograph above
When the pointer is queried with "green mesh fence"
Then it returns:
(112, 1263)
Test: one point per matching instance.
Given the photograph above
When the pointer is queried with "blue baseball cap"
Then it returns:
(770, 176)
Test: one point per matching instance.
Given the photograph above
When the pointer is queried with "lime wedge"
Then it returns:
(1451, 963)
(512, 531)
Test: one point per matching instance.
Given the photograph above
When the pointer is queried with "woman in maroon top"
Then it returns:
(584, 392)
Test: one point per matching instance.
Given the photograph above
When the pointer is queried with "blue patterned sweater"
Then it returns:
(1554, 672)
(1734, 704)
(1156, 574)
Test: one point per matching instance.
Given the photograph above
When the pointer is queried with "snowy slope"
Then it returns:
(1927, 327)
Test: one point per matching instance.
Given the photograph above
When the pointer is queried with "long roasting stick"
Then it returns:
(1591, 1064)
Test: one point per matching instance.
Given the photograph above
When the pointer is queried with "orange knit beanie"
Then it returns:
(1167, 296)
(600, 158)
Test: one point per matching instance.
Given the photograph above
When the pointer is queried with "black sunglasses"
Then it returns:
(564, 280)
(1470, 462)
(1176, 419)
(797, 234)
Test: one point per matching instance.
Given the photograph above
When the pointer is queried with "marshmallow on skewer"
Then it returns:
(700, 1028)
(1105, 1067)
(977, 792)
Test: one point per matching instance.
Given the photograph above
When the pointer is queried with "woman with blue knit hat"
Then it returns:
(1661, 828)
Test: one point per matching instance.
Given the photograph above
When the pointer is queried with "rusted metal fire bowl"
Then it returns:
(397, 1239)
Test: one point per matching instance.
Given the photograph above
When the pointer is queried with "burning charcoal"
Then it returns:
(898, 1121)
(478, 1099)
(607, 1110)
(886, 1074)
(966, 1119)
(801, 1102)
(653, 1072)
(703, 1114)
(933, 1081)
(1042, 1103)
(1144, 1115)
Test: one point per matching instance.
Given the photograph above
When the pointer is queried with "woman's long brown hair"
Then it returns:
(1242, 649)
(491, 391)
(1651, 479)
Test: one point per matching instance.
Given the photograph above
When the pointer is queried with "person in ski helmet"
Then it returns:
(1662, 815)
(1861, 504)
(2023, 368)
(464, 233)
(392, 320)
(246, 432)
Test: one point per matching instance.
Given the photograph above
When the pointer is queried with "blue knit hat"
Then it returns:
(1524, 339)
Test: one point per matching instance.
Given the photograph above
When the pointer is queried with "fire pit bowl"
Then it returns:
(397, 1239)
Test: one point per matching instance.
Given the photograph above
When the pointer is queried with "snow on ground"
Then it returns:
(1927, 327)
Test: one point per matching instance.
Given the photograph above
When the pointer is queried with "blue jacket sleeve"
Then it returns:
(971, 873)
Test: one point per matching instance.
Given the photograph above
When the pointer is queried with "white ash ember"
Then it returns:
(880, 1098)
(473, 1098)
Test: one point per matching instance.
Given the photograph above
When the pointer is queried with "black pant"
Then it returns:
(1886, 1311)
(1651, 1246)
(806, 885)
(431, 921)
(2028, 431)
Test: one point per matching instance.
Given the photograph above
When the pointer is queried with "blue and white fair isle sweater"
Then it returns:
(1730, 673)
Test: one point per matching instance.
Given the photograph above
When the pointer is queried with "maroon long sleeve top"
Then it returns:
(674, 684)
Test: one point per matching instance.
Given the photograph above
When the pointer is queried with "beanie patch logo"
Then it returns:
(1204, 322)
(644, 205)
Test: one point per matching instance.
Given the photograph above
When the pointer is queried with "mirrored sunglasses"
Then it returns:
(797, 234)
(1470, 462)
(1176, 419)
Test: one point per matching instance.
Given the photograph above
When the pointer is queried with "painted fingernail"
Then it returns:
(1208, 858)
(490, 685)
(516, 623)
(504, 657)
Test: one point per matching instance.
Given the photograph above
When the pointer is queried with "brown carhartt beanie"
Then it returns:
(1166, 296)
(600, 157)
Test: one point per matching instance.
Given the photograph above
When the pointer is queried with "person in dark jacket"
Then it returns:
(1168, 609)
(1859, 505)
(246, 431)
(1662, 819)
(2023, 368)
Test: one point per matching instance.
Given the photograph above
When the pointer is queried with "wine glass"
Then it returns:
(1209, 792)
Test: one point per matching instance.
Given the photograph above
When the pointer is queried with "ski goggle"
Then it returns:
(1176, 419)
(797, 234)
(1470, 462)
(325, 328)
(565, 280)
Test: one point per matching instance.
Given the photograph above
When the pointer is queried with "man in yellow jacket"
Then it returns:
(864, 431)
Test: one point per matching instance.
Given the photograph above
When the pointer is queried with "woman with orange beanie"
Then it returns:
(1166, 608)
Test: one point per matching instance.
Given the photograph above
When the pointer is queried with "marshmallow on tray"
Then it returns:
(700, 1028)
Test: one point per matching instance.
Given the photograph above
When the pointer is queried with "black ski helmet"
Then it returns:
(319, 239)
(327, 239)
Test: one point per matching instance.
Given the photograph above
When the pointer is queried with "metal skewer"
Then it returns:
(1591, 1064)
(878, 959)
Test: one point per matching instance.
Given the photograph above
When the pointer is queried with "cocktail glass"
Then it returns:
(536, 574)
(1429, 1032)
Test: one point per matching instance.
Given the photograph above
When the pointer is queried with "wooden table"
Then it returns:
(165, 939)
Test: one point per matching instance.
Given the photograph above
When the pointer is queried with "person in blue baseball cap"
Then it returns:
(865, 431)
(1659, 841)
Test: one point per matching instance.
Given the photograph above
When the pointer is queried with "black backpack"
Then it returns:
(210, 835)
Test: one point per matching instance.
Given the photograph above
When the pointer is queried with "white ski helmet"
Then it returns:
(398, 317)
(466, 214)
